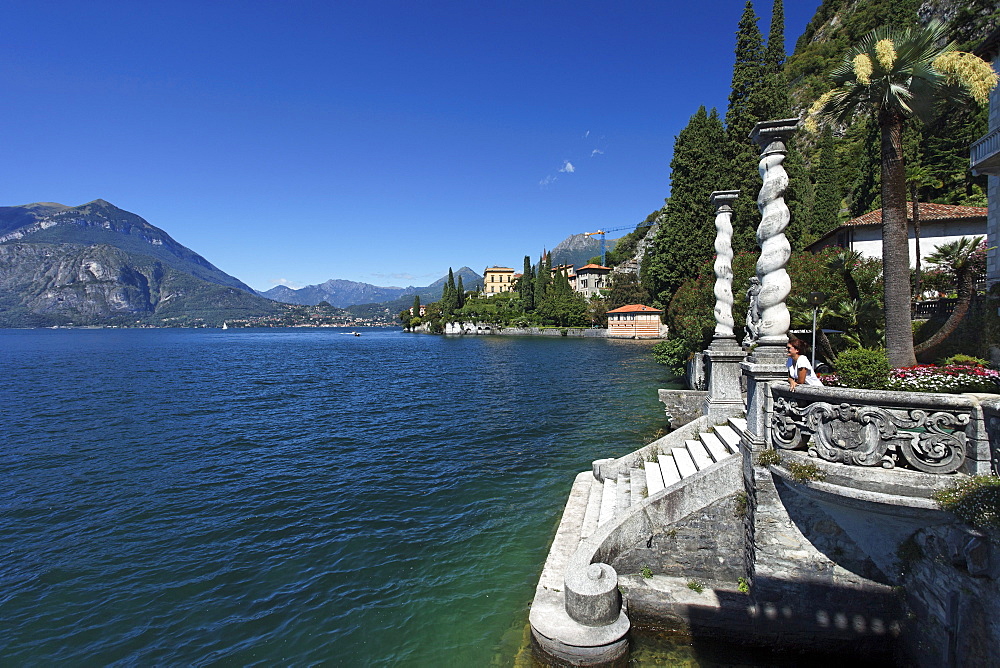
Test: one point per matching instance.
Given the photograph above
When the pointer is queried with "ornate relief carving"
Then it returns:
(933, 442)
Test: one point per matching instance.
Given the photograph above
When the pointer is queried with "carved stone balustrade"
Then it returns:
(933, 433)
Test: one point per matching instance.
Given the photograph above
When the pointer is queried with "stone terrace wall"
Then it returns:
(706, 545)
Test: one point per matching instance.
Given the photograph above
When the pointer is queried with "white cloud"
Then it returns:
(567, 167)
(586, 134)
(548, 180)
(596, 151)
(287, 283)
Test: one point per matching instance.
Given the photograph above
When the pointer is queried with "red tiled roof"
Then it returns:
(592, 266)
(928, 212)
(636, 308)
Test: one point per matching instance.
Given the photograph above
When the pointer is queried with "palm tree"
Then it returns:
(894, 76)
(958, 257)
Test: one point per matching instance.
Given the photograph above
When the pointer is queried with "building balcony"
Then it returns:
(985, 154)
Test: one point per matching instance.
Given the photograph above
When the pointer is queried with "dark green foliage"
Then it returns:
(672, 353)
(748, 105)
(776, 98)
(416, 304)
(826, 212)
(625, 290)
(864, 368)
(561, 306)
(866, 187)
(449, 295)
(686, 234)
(526, 286)
(460, 293)
(542, 278)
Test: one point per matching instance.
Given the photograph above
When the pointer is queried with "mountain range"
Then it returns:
(341, 293)
(97, 264)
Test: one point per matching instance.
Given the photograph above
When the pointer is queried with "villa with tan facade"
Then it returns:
(497, 280)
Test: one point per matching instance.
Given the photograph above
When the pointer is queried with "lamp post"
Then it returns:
(815, 299)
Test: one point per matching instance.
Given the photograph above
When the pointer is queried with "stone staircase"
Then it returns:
(614, 496)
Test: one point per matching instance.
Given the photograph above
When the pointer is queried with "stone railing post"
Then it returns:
(766, 364)
(724, 396)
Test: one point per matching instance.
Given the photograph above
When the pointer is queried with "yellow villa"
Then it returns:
(497, 280)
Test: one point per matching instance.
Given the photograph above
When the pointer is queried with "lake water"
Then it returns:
(267, 497)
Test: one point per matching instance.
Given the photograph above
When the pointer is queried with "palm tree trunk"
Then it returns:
(895, 246)
(966, 290)
(916, 241)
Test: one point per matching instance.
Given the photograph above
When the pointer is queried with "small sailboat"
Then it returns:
(225, 325)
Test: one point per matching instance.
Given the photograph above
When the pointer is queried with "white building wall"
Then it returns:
(868, 240)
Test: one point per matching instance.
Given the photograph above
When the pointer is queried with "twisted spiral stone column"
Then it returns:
(775, 250)
(722, 201)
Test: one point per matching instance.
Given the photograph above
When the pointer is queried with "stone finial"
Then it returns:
(722, 201)
(775, 250)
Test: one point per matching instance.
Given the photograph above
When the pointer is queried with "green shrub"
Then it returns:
(975, 500)
(864, 368)
(696, 586)
(805, 472)
(964, 360)
(673, 354)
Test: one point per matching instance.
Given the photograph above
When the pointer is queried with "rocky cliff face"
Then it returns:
(97, 264)
(48, 284)
(102, 223)
(577, 249)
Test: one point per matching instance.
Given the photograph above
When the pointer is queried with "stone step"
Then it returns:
(638, 480)
(593, 513)
(715, 446)
(685, 465)
(623, 495)
(728, 436)
(654, 478)
(608, 501)
(739, 424)
(668, 469)
(568, 534)
(699, 455)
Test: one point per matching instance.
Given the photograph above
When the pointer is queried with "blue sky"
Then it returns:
(380, 141)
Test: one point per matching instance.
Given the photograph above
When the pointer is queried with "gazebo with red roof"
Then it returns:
(635, 321)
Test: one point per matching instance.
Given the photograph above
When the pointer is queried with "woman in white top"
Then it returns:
(800, 371)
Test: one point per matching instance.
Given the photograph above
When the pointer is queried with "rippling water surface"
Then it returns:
(293, 496)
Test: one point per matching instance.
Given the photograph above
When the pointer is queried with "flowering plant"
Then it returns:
(950, 379)
(975, 500)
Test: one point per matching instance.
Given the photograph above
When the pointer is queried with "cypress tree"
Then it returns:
(685, 238)
(526, 286)
(461, 293)
(416, 305)
(543, 278)
(779, 105)
(748, 105)
(826, 213)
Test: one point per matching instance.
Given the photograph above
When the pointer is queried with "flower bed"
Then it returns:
(951, 379)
